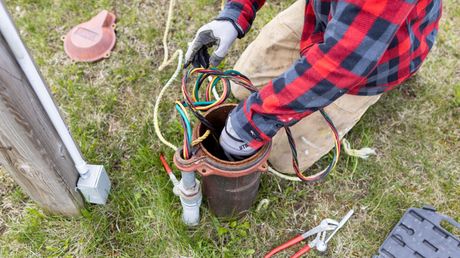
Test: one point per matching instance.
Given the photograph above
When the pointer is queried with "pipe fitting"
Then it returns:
(191, 208)
(190, 199)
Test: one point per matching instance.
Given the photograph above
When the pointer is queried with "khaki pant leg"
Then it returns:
(313, 136)
(274, 50)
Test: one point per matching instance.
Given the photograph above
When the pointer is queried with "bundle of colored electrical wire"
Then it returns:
(196, 104)
(295, 161)
(214, 77)
(185, 121)
(186, 124)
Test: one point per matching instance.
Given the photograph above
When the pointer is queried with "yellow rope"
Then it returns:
(201, 138)
(167, 61)
(362, 153)
(179, 55)
(156, 122)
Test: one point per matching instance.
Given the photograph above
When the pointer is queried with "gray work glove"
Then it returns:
(220, 33)
(233, 144)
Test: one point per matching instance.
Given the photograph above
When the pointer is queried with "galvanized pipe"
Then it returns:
(188, 180)
(190, 198)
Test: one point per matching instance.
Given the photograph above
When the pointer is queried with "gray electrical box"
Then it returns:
(95, 185)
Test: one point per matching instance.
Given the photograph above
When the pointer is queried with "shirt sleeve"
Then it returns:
(241, 13)
(355, 39)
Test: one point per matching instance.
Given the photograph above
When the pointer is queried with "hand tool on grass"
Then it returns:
(320, 241)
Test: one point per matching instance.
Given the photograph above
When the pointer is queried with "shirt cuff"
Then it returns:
(234, 15)
(246, 129)
(240, 31)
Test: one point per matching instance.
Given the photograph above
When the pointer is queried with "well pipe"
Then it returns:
(189, 191)
(190, 198)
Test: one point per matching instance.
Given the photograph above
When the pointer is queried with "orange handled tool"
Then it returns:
(320, 241)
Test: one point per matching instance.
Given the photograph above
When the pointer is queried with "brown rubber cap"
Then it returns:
(92, 40)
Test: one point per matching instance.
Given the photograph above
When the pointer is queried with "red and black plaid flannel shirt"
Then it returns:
(348, 46)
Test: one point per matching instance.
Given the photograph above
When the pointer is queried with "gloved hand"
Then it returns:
(221, 33)
(232, 143)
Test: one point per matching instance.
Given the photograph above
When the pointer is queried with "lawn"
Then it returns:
(109, 108)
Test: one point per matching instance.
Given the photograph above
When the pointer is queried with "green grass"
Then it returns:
(108, 106)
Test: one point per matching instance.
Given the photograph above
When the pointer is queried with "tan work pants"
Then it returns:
(273, 51)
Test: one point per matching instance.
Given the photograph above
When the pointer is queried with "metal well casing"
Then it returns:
(230, 187)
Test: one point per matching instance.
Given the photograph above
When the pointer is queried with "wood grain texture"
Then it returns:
(30, 148)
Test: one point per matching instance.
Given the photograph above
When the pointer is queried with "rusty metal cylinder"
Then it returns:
(230, 187)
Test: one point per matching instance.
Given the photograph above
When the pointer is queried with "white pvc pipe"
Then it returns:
(11, 35)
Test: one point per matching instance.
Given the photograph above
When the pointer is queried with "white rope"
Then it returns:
(363, 153)
(166, 62)
(263, 204)
(179, 55)
(283, 176)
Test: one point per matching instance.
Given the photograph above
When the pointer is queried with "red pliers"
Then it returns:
(320, 241)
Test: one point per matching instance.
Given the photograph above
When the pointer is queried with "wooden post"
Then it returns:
(30, 148)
